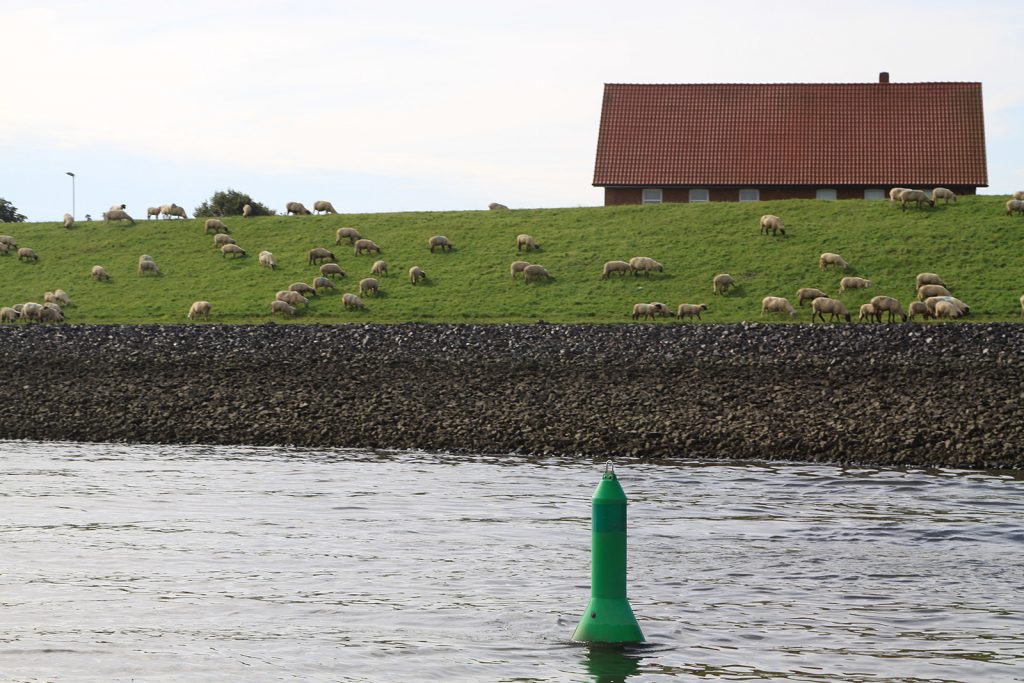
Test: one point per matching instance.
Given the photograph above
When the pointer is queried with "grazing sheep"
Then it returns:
(322, 283)
(646, 264)
(9, 241)
(534, 272)
(99, 273)
(690, 310)
(834, 307)
(650, 310)
(292, 297)
(31, 311)
(927, 279)
(1014, 205)
(365, 245)
(216, 225)
(853, 283)
(526, 242)
(247, 211)
(351, 301)
(773, 223)
(416, 274)
(69, 221)
(495, 206)
(925, 291)
(350, 233)
(118, 215)
(148, 267)
(944, 194)
(26, 254)
(367, 285)
(829, 259)
(8, 315)
(172, 210)
(947, 309)
(58, 296)
(319, 254)
(199, 308)
(145, 257)
(220, 239)
(51, 313)
(324, 206)
(302, 288)
(296, 208)
(889, 305)
(778, 304)
(896, 192)
(331, 269)
(917, 196)
(233, 249)
(281, 307)
(721, 283)
(918, 308)
(379, 268)
(520, 266)
(809, 294)
(267, 259)
(440, 241)
(868, 312)
(620, 267)
(153, 212)
(932, 301)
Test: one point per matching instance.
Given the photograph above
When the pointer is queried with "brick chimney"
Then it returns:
(883, 77)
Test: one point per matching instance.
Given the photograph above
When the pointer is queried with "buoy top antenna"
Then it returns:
(609, 470)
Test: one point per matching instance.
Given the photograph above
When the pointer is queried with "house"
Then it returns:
(749, 142)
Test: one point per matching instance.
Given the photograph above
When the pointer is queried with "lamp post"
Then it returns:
(72, 193)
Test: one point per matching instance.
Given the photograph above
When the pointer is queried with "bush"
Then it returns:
(230, 203)
(9, 212)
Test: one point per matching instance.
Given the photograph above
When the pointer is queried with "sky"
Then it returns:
(398, 105)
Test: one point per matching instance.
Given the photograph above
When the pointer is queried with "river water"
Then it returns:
(176, 563)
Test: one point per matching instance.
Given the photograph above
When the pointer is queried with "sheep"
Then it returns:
(8, 315)
(153, 212)
(9, 241)
(99, 273)
(145, 257)
(51, 313)
(220, 239)
(148, 267)
(27, 254)
(495, 206)
(925, 291)
(927, 279)
(302, 288)
(365, 245)
(5, 248)
(379, 268)
(216, 225)
(351, 301)
(690, 310)
(199, 308)
(947, 309)
(171, 210)
(1022, 307)
(520, 266)
(526, 242)
(650, 310)
(281, 307)
(118, 207)
(896, 192)
(350, 233)
(440, 241)
(773, 223)
(534, 272)
(267, 259)
(918, 308)
(58, 296)
(1015, 205)
(889, 305)
(829, 259)
(247, 211)
(319, 254)
(808, 294)
(322, 283)
(646, 264)
(324, 206)
(367, 285)
(291, 297)
(721, 283)
(834, 307)
(778, 304)
(853, 283)
(416, 274)
(944, 194)
(232, 249)
(31, 311)
(1019, 194)
(932, 301)
(620, 267)
(867, 311)
(69, 221)
(296, 208)
(331, 269)
(118, 215)
(916, 196)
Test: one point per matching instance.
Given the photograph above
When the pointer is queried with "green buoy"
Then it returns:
(609, 618)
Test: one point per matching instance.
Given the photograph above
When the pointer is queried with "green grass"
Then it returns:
(973, 245)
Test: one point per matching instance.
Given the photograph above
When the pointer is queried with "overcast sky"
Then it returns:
(398, 105)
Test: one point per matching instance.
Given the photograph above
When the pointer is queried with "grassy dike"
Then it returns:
(973, 245)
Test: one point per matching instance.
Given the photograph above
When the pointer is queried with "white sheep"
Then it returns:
(351, 301)
(441, 242)
(721, 283)
(319, 254)
(853, 283)
(651, 310)
(9, 241)
(302, 288)
(292, 298)
(620, 267)
(118, 215)
(917, 196)
(51, 313)
(932, 301)
(773, 223)
(927, 279)
(947, 309)
(281, 307)
(8, 315)
(365, 245)
(829, 259)
(1019, 194)
(351, 234)
(118, 207)
(247, 211)
(27, 254)
(368, 285)
(171, 210)
(944, 194)
(918, 308)
(868, 312)
(535, 272)
(153, 212)
(896, 192)
(322, 283)
(148, 267)
(31, 311)
(526, 242)
(778, 304)
(199, 308)
(58, 296)
(416, 274)
(296, 208)
(379, 268)
(233, 249)
(69, 221)
(145, 257)
(808, 294)
(220, 239)
(888, 305)
(331, 269)
(267, 260)
(645, 264)
(925, 291)
(323, 206)
(1015, 206)
(834, 307)
(495, 206)
(99, 273)
(216, 225)
(690, 310)
(518, 267)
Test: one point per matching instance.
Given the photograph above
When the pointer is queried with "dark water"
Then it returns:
(143, 563)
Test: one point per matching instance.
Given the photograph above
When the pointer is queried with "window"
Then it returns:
(874, 194)
(750, 195)
(700, 196)
(824, 193)
(650, 197)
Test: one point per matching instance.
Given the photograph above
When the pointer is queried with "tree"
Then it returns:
(9, 212)
(230, 203)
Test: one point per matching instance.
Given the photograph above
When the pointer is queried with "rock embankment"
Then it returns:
(921, 395)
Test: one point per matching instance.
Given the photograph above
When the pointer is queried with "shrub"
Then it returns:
(230, 203)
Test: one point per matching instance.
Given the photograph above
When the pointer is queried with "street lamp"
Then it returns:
(72, 193)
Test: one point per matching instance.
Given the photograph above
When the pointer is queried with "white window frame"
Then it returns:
(697, 194)
(648, 193)
(875, 193)
(827, 194)
(748, 190)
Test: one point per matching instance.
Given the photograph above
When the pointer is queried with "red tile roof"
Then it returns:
(792, 134)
